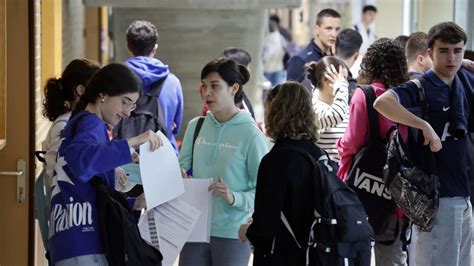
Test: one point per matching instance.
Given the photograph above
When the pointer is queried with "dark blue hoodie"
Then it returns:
(150, 70)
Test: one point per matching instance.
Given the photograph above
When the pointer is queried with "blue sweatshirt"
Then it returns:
(150, 70)
(231, 150)
(74, 227)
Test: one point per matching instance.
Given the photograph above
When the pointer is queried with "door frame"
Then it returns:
(32, 130)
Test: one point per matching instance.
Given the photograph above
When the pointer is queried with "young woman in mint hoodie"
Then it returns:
(86, 152)
(228, 149)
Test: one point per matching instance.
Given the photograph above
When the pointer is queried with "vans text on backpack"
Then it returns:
(340, 233)
(365, 177)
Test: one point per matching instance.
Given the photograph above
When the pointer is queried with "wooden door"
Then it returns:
(16, 215)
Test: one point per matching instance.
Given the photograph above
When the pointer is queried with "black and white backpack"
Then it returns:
(340, 233)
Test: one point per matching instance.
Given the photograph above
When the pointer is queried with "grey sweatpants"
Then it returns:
(219, 252)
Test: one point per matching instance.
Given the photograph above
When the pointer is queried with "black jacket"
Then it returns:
(283, 184)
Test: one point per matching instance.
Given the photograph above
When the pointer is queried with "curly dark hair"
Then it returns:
(290, 113)
(58, 91)
(385, 61)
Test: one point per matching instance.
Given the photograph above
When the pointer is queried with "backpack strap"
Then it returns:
(372, 114)
(40, 156)
(156, 88)
(155, 91)
(195, 136)
(288, 227)
(424, 115)
(421, 99)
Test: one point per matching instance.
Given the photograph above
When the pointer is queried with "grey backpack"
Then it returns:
(147, 116)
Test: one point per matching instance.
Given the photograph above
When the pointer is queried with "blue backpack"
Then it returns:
(340, 233)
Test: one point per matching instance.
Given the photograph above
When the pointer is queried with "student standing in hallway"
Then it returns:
(87, 153)
(328, 26)
(383, 65)
(450, 118)
(366, 27)
(142, 43)
(284, 179)
(228, 149)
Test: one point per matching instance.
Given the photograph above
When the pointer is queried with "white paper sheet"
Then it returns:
(196, 195)
(160, 173)
(167, 227)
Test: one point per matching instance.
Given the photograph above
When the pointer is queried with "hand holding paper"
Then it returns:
(220, 189)
(154, 140)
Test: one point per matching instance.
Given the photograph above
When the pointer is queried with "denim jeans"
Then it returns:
(275, 77)
(90, 260)
(449, 242)
(219, 252)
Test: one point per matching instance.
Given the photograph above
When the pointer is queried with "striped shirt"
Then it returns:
(332, 118)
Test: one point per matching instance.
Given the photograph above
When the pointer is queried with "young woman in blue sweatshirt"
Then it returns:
(87, 153)
(228, 150)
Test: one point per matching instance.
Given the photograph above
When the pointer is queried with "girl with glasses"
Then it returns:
(86, 153)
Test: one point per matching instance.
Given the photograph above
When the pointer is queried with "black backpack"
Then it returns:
(340, 233)
(365, 175)
(147, 116)
(118, 229)
(412, 184)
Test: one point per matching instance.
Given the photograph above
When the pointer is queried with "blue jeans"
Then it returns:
(90, 260)
(219, 252)
(275, 77)
(449, 243)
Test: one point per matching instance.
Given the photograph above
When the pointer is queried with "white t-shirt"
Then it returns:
(333, 118)
(274, 49)
(52, 142)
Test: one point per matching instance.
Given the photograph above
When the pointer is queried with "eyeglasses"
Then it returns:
(128, 104)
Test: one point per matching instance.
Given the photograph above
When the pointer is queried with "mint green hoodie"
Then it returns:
(231, 150)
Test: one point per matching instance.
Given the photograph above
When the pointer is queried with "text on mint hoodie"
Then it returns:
(231, 150)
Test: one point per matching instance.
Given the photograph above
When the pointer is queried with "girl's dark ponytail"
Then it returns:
(244, 78)
(245, 74)
(60, 93)
(55, 98)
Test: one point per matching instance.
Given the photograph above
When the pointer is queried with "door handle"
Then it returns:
(12, 173)
(20, 179)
